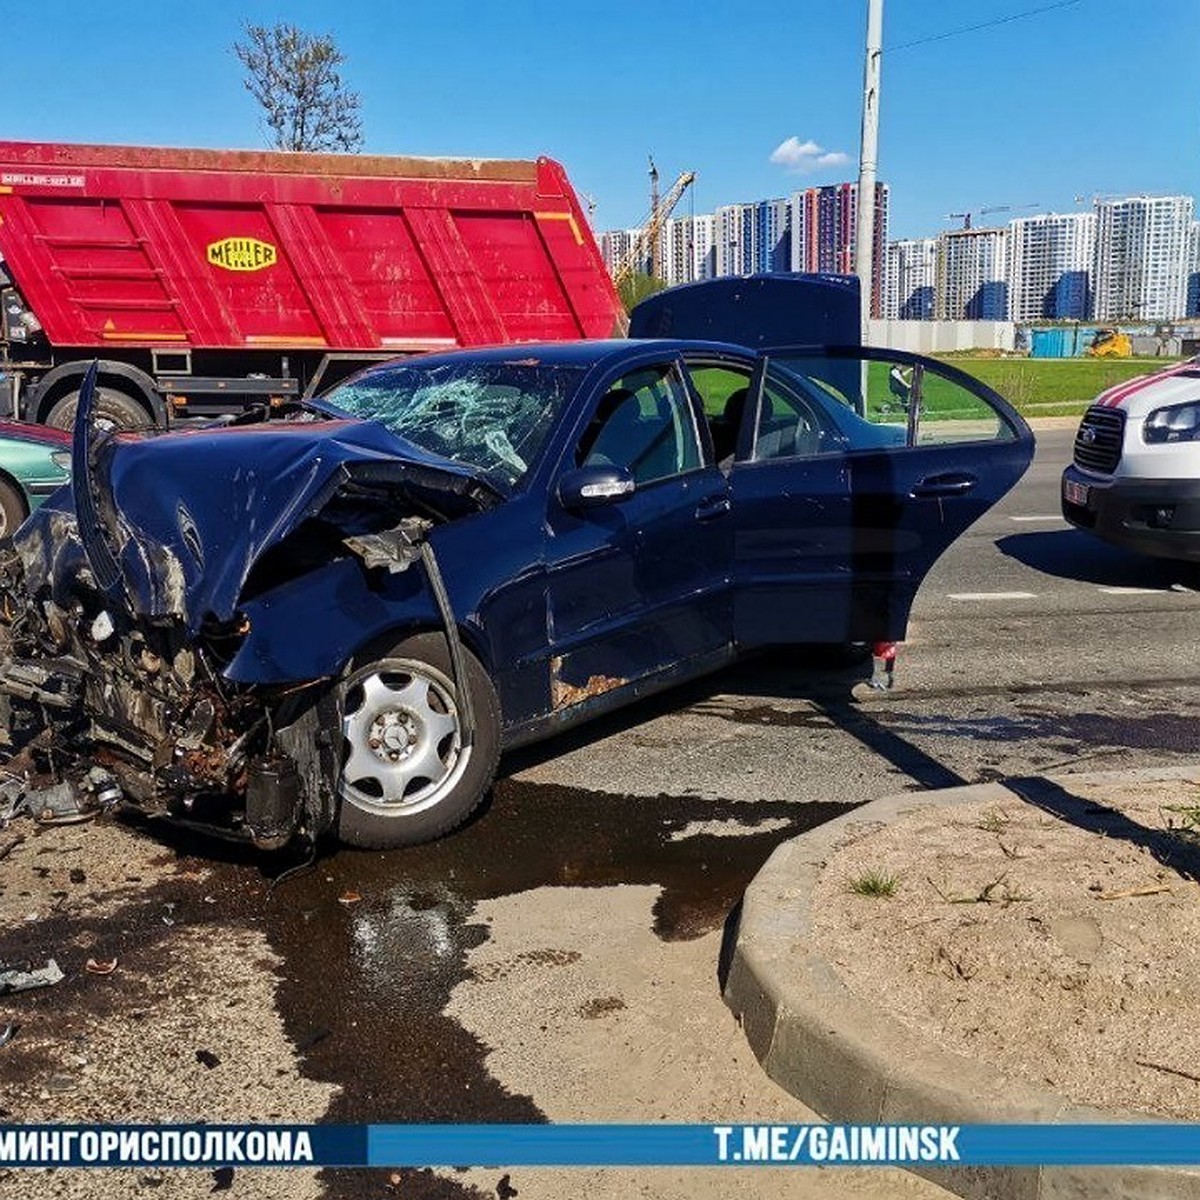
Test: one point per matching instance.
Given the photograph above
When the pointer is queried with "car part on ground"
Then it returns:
(1135, 478)
(335, 621)
(17, 979)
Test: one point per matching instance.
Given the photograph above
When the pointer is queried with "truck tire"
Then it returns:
(405, 777)
(114, 410)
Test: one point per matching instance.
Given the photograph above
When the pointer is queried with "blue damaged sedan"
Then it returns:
(335, 621)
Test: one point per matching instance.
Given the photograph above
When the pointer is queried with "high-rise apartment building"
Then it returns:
(972, 275)
(824, 221)
(686, 246)
(616, 245)
(910, 280)
(1192, 305)
(1050, 262)
(1140, 268)
(813, 230)
(772, 240)
(732, 234)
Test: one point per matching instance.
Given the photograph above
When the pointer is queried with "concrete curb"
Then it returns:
(852, 1062)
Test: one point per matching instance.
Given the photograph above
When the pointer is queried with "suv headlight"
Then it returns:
(1178, 423)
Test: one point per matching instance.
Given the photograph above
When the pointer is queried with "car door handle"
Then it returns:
(712, 506)
(953, 483)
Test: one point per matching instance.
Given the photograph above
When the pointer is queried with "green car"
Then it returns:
(34, 461)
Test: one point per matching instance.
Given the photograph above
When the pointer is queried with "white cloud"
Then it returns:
(802, 158)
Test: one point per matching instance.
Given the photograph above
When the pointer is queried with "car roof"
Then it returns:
(44, 434)
(561, 354)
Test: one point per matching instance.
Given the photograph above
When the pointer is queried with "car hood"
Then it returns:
(171, 524)
(1138, 397)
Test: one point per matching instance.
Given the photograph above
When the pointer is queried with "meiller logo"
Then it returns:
(242, 254)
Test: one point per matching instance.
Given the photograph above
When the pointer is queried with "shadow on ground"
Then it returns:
(1080, 556)
(1165, 847)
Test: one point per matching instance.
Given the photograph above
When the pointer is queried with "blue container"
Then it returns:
(1048, 343)
(1061, 341)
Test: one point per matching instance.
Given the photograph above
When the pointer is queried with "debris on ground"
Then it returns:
(56, 805)
(12, 797)
(100, 966)
(207, 1059)
(8, 1033)
(13, 979)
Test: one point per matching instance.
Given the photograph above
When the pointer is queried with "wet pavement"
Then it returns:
(374, 943)
(366, 981)
(371, 945)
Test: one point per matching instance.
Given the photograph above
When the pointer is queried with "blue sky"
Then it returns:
(1100, 96)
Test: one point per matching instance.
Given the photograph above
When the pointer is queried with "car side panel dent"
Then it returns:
(312, 626)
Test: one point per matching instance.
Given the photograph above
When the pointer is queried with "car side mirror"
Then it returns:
(594, 487)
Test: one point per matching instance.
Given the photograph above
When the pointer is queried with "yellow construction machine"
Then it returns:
(1110, 343)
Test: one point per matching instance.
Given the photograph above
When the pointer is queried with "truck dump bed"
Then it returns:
(116, 246)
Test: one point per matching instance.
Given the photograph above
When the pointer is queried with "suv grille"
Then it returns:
(1098, 442)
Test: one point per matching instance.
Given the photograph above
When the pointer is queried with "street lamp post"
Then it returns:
(868, 160)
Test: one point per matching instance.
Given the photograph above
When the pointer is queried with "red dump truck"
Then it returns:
(209, 280)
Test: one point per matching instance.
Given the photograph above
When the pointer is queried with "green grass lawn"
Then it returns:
(1051, 387)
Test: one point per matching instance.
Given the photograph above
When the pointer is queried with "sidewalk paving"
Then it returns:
(834, 1035)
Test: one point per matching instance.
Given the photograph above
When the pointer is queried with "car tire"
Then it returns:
(13, 509)
(404, 777)
(115, 409)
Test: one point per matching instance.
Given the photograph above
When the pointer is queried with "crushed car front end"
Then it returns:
(150, 658)
(142, 700)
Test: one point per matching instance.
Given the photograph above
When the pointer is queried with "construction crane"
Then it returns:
(590, 201)
(645, 245)
(966, 217)
(655, 257)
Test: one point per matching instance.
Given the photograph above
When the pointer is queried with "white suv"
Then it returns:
(1135, 480)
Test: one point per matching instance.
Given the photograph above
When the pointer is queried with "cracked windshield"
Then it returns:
(493, 416)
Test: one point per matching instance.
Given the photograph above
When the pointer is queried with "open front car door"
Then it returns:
(856, 468)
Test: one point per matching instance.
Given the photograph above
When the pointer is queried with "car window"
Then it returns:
(794, 420)
(644, 425)
(883, 402)
(724, 391)
(493, 415)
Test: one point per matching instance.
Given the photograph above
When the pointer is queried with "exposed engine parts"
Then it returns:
(126, 708)
(146, 706)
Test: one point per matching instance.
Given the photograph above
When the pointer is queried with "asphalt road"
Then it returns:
(558, 959)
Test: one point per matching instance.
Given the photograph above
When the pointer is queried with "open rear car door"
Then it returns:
(856, 469)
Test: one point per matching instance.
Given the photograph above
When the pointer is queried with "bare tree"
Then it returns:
(294, 76)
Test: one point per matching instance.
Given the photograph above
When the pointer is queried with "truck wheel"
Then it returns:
(13, 509)
(406, 777)
(114, 410)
